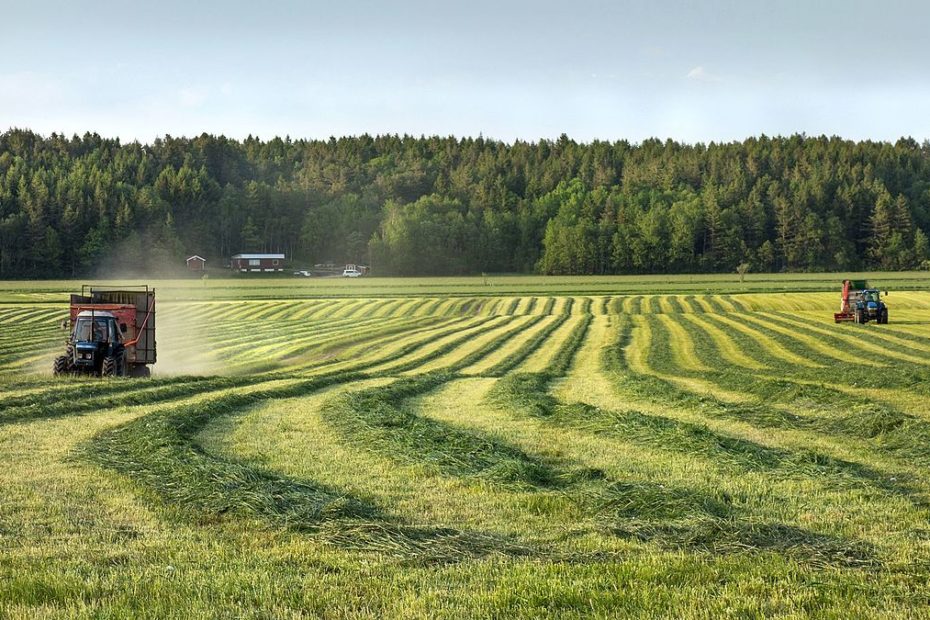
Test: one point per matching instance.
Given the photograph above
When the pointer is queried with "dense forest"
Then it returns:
(432, 206)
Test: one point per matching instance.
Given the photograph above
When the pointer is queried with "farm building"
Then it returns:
(255, 263)
(196, 263)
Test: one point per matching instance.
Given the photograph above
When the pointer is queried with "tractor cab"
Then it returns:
(96, 336)
(871, 297)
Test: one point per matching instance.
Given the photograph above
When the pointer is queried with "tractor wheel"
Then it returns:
(62, 365)
(883, 318)
(108, 368)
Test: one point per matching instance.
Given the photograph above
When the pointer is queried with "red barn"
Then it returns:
(196, 263)
(257, 263)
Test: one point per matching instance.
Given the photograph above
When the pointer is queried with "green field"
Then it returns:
(680, 446)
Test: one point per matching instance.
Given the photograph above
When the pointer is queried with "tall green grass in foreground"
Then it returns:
(609, 453)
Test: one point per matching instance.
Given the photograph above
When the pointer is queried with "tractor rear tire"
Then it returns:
(108, 368)
(62, 365)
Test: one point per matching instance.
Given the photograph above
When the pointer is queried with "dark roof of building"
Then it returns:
(258, 256)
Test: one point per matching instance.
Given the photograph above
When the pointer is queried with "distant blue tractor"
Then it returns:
(861, 305)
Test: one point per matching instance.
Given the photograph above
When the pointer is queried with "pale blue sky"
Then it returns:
(693, 71)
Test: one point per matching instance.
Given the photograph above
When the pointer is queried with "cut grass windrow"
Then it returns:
(159, 454)
(118, 393)
(883, 427)
(686, 518)
(379, 419)
(560, 362)
(527, 349)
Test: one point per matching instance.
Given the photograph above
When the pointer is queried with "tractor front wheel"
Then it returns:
(108, 368)
(883, 317)
(62, 365)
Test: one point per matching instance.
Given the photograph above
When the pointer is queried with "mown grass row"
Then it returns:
(680, 517)
(159, 453)
(882, 429)
(377, 419)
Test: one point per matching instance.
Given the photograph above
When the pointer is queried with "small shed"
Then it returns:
(196, 263)
(257, 263)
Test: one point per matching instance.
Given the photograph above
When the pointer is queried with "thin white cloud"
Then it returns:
(700, 74)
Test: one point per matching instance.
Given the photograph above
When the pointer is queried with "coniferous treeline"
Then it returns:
(432, 206)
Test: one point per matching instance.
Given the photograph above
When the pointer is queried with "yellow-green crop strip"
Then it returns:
(677, 446)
